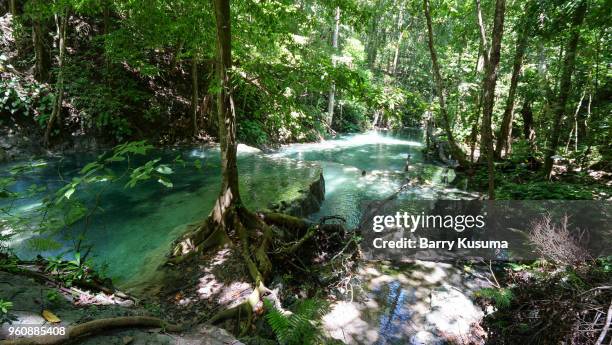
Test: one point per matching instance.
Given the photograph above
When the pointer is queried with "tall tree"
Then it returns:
(13, 7)
(229, 216)
(62, 23)
(528, 127)
(504, 138)
(230, 195)
(490, 80)
(194, 94)
(456, 151)
(373, 34)
(42, 60)
(565, 86)
(480, 63)
(332, 90)
(400, 27)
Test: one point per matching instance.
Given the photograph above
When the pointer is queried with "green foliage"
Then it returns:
(516, 181)
(21, 98)
(106, 107)
(43, 244)
(68, 271)
(12, 221)
(299, 328)
(605, 264)
(351, 117)
(5, 314)
(252, 133)
(543, 190)
(9, 263)
(54, 298)
(522, 152)
(153, 309)
(544, 294)
(501, 297)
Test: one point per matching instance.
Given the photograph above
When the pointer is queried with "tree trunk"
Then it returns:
(106, 14)
(59, 85)
(564, 88)
(489, 90)
(397, 53)
(486, 51)
(42, 60)
(474, 131)
(41, 55)
(456, 151)
(504, 139)
(194, 94)
(105, 30)
(528, 128)
(483, 35)
(574, 131)
(332, 90)
(372, 44)
(225, 107)
(13, 7)
(399, 42)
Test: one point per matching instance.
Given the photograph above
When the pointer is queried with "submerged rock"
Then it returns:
(307, 202)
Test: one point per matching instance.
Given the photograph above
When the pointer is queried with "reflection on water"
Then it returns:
(395, 314)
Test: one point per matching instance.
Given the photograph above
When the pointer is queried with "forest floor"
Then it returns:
(417, 302)
(31, 297)
(515, 181)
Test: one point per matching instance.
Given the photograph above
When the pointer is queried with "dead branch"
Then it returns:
(33, 272)
(602, 336)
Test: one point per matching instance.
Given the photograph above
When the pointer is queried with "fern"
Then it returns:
(278, 322)
(299, 328)
(501, 297)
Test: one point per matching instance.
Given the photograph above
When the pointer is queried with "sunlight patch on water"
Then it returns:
(346, 142)
(29, 207)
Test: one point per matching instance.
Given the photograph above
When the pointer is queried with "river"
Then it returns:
(131, 228)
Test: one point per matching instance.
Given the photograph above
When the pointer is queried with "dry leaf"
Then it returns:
(50, 317)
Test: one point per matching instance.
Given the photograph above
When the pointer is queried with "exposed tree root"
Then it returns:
(257, 236)
(92, 327)
(286, 221)
(293, 247)
(204, 238)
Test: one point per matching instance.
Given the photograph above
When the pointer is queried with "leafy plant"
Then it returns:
(501, 297)
(5, 314)
(68, 271)
(54, 298)
(300, 327)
